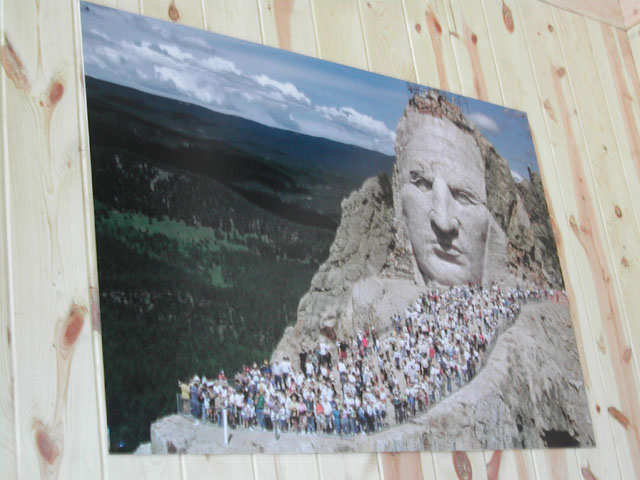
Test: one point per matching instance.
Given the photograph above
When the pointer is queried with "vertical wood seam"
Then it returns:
(571, 249)
(449, 18)
(493, 53)
(8, 252)
(205, 23)
(380, 468)
(411, 49)
(254, 464)
(314, 23)
(319, 467)
(183, 467)
(260, 22)
(364, 36)
(87, 202)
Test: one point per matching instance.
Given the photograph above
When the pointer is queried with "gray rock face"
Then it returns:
(371, 272)
(530, 394)
(366, 278)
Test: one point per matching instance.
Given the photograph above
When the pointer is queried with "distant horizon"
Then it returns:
(273, 87)
(182, 100)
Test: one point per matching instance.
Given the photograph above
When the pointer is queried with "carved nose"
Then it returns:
(443, 222)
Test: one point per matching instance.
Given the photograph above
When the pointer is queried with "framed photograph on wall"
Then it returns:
(296, 256)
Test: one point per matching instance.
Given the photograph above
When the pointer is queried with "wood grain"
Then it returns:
(8, 439)
(291, 467)
(236, 18)
(340, 37)
(144, 467)
(348, 466)
(55, 389)
(186, 12)
(386, 39)
(288, 24)
(133, 6)
(572, 164)
(196, 467)
(578, 82)
(630, 11)
(396, 466)
(608, 12)
(473, 53)
(430, 39)
(604, 160)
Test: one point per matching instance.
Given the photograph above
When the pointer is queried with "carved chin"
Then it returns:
(449, 273)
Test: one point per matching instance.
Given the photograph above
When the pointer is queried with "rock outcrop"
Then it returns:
(348, 291)
(530, 394)
(371, 272)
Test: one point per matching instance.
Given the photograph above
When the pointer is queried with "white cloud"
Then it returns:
(144, 52)
(286, 88)
(484, 122)
(189, 85)
(357, 120)
(108, 53)
(175, 52)
(220, 65)
(197, 41)
(98, 33)
(249, 96)
(516, 176)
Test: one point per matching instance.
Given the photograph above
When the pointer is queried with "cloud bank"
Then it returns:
(197, 67)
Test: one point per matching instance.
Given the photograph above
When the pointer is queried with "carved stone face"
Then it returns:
(442, 190)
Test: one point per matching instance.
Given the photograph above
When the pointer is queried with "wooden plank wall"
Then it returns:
(571, 65)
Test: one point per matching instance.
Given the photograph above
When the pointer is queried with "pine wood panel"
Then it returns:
(288, 24)
(386, 39)
(47, 180)
(55, 390)
(604, 11)
(340, 37)
(264, 467)
(630, 11)
(134, 6)
(430, 40)
(186, 12)
(197, 467)
(515, 71)
(348, 466)
(144, 467)
(9, 460)
(572, 165)
(634, 43)
(520, 91)
(236, 18)
(291, 467)
(472, 52)
(509, 465)
(617, 208)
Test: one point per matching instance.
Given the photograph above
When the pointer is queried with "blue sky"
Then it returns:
(271, 86)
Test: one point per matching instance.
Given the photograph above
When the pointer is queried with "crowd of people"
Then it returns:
(362, 384)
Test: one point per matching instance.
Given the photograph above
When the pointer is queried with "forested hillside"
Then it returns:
(206, 241)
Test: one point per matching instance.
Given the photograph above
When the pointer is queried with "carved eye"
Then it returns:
(463, 198)
(421, 182)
